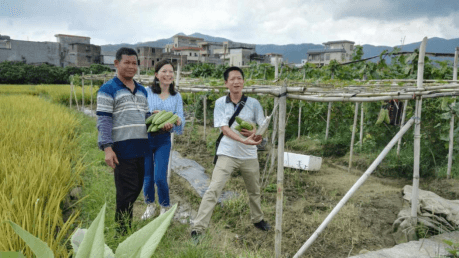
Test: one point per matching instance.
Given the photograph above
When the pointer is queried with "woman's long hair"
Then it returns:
(155, 87)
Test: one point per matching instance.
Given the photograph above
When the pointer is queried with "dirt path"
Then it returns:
(365, 222)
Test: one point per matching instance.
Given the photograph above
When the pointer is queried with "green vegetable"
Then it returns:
(163, 118)
(246, 125)
(149, 119)
(171, 120)
(381, 116)
(160, 113)
(386, 116)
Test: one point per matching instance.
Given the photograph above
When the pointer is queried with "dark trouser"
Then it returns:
(129, 175)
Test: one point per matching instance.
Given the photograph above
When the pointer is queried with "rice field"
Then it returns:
(40, 164)
(57, 93)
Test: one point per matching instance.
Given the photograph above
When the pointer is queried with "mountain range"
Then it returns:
(293, 53)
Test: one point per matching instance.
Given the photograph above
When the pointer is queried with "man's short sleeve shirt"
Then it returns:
(252, 113)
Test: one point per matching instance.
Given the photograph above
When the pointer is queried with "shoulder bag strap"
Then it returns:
(230, 123)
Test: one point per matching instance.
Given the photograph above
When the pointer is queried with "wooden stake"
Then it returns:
(361, 125)
(272, 152)
(276, 69)
(356, 114)
(273, 140)
(71, 90)
(179, 70)
(76, 99)
(92, 112)
(299, 120)
(82, 91)
(204, 99)
(280, 171)
(328, 120)
(451, 125)
(417, 136)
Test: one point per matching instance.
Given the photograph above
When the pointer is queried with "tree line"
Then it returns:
(13, 72)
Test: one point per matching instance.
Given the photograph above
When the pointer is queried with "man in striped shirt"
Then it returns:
(121, 111)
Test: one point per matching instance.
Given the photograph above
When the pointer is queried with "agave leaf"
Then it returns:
(93, 241)
(78, 237)
(38, 247)
(11, 255)
(143, 243)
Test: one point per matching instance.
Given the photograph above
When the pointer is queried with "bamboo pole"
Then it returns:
(405, 105)
(71, 90)
(299, 120)
(169, 165)
(451, 143)
(280, 171)
(92, 112)
(276, 69)
(417, 135)
(361, 126)
(273, 138)
(204, 102)
(76, 99)
(328, 120)
(82, 92)
(179, 70)
(451, 125)
(354, 188)
(356, 114)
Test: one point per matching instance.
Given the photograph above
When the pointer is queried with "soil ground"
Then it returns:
(364, 223)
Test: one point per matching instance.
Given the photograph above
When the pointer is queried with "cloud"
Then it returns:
(390, 10)
(11, 8)
(378, 22)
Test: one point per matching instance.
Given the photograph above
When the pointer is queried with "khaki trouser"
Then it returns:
(222, 172)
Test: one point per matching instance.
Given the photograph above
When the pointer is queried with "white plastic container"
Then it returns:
(300, 161)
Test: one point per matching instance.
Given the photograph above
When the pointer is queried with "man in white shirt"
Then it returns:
(235, 152)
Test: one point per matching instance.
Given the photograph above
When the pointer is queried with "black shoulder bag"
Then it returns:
(231, 121)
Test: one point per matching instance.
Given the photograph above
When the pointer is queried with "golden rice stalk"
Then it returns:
(38, 150)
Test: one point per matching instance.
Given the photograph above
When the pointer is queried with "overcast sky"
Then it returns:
(376, 22)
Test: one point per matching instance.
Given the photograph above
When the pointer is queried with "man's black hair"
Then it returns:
(155, 86)
(125, 51)
(232, 68)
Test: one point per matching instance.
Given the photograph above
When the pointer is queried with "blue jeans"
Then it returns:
(156, 163)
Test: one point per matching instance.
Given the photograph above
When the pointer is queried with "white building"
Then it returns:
(340, 51)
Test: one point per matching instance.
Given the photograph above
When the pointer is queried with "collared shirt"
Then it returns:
(121, 118)
(252, 112)
(172, 103)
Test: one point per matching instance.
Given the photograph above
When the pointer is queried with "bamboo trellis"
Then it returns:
(371, 91)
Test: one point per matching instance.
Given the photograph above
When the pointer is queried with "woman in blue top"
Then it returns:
(161, 96)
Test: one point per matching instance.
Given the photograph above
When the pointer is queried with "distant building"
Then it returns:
(69, 50)
(340, 51)
(235, 53)
(148, 57)
(211, 52)
(274, 56)
(108, 59)
(185, 46)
